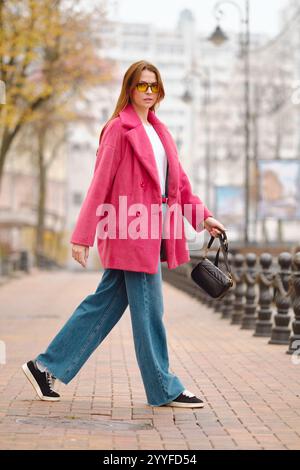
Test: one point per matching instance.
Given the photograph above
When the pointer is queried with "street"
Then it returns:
(250, 388)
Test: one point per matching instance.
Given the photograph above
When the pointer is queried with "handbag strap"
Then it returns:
(223, 246)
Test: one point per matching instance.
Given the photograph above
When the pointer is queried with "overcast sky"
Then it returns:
(164, 13)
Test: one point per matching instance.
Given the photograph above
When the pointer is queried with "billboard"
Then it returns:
(230, 206)
(279, 189)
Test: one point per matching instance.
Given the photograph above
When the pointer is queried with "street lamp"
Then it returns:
(218, 38)
(187, 97)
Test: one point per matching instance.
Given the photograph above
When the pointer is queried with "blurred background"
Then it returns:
(231, 71)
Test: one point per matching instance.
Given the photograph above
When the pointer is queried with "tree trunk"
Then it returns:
(40, 227)
(6, 142)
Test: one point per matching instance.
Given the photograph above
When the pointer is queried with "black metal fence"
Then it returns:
(21, 262)
(265, 296)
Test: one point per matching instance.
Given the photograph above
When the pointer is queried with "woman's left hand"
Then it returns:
(213, 226)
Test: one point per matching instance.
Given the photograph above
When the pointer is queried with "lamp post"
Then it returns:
(218, 37)
(188, 97)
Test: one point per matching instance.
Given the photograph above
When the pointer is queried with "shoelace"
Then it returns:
(187, 393)
(51, 380)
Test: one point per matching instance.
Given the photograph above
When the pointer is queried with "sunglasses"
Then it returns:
(143, 86)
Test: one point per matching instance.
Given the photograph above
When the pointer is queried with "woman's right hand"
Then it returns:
(80, 253)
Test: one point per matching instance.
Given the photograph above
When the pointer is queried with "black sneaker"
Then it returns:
(186, 400)
(42, 382)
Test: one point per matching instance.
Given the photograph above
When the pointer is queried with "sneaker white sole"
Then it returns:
(185, 405)
(35, 385)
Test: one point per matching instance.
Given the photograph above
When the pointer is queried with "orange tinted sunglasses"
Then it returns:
(143, 86)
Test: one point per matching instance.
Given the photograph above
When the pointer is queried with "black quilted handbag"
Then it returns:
(209, 276)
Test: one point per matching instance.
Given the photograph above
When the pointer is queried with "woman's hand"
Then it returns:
(213, 226)
(80, 253)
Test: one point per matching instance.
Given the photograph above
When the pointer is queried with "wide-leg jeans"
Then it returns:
(99, 312)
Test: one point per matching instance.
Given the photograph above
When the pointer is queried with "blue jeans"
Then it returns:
(98, 313)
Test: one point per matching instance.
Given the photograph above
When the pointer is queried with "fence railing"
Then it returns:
(265, 296)
(21, 262)
(14, 263)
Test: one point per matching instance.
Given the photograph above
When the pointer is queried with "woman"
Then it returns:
(135, 149)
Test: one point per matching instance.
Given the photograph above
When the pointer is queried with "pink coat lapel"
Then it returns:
(141, 144)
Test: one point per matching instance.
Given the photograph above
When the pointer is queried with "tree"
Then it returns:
(49, 60)
(47, 57)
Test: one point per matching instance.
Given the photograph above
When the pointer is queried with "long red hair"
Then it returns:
(131, 78)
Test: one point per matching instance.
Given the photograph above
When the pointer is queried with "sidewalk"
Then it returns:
(251, 389)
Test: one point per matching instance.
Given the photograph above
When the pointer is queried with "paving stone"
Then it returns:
(250, 388)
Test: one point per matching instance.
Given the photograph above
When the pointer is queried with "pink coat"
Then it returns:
(125, 165)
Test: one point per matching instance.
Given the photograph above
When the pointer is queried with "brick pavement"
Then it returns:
(251, 389)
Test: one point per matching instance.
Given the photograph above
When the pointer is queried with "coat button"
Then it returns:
(138, 212)
(142, 184)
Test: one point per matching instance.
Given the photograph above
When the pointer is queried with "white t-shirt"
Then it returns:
(159, 153)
